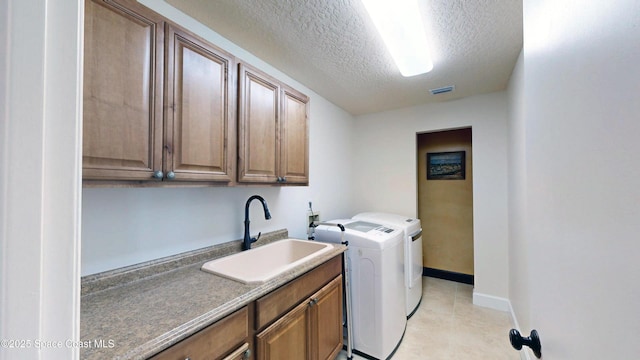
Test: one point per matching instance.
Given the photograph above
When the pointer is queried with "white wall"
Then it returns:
(518, 246)
(385, 170)
(578, 190)
(40, 140)
(126, 226)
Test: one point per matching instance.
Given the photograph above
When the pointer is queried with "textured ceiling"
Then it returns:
(331, 47)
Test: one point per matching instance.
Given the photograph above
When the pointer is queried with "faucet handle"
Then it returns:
(256, 238)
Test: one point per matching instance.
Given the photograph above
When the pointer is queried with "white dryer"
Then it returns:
(376, 257)
(412, 253)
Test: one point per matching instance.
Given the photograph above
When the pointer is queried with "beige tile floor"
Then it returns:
(448, 326)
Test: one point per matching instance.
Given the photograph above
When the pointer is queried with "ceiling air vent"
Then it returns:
(442, 90)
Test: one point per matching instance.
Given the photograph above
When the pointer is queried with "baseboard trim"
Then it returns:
(490, 301)
(448, 275)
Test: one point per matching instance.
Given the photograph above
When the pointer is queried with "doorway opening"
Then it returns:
(445, 203)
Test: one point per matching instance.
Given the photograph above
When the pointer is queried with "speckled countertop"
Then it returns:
(135, 312)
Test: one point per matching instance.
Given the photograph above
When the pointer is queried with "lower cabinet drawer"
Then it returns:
(221, 340)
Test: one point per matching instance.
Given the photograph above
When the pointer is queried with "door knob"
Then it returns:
(533, 341)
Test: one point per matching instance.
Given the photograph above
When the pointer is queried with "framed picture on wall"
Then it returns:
(446, 165)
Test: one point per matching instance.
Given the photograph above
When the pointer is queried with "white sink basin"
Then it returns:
(263, 263)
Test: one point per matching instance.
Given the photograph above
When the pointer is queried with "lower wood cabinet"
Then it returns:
(326, 321)
(299, 320)
(287, 338)
(312, 330)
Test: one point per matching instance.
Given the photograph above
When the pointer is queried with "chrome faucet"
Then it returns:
(246, 245)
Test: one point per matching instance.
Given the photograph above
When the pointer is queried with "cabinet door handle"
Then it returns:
(313, 301)
(246, 354)
(158, 174)
(171, 175)
(284, 179)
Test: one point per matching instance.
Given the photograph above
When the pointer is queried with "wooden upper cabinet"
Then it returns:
(199, 126)
(273, 130)
(258, 126)
(294, 144)
(123, 62)
(159, 102)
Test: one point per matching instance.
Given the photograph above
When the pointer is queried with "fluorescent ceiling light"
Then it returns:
(401, 28)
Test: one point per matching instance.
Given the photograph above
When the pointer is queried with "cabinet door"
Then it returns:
(326, 321)
(199, 128)
(287, 338)
(294, 145)
(123, 62)
(259, 149)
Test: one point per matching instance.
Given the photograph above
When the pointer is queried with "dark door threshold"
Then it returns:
(448, 275)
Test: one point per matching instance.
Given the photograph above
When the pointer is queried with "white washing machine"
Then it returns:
(376, 257)
(412, 253)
